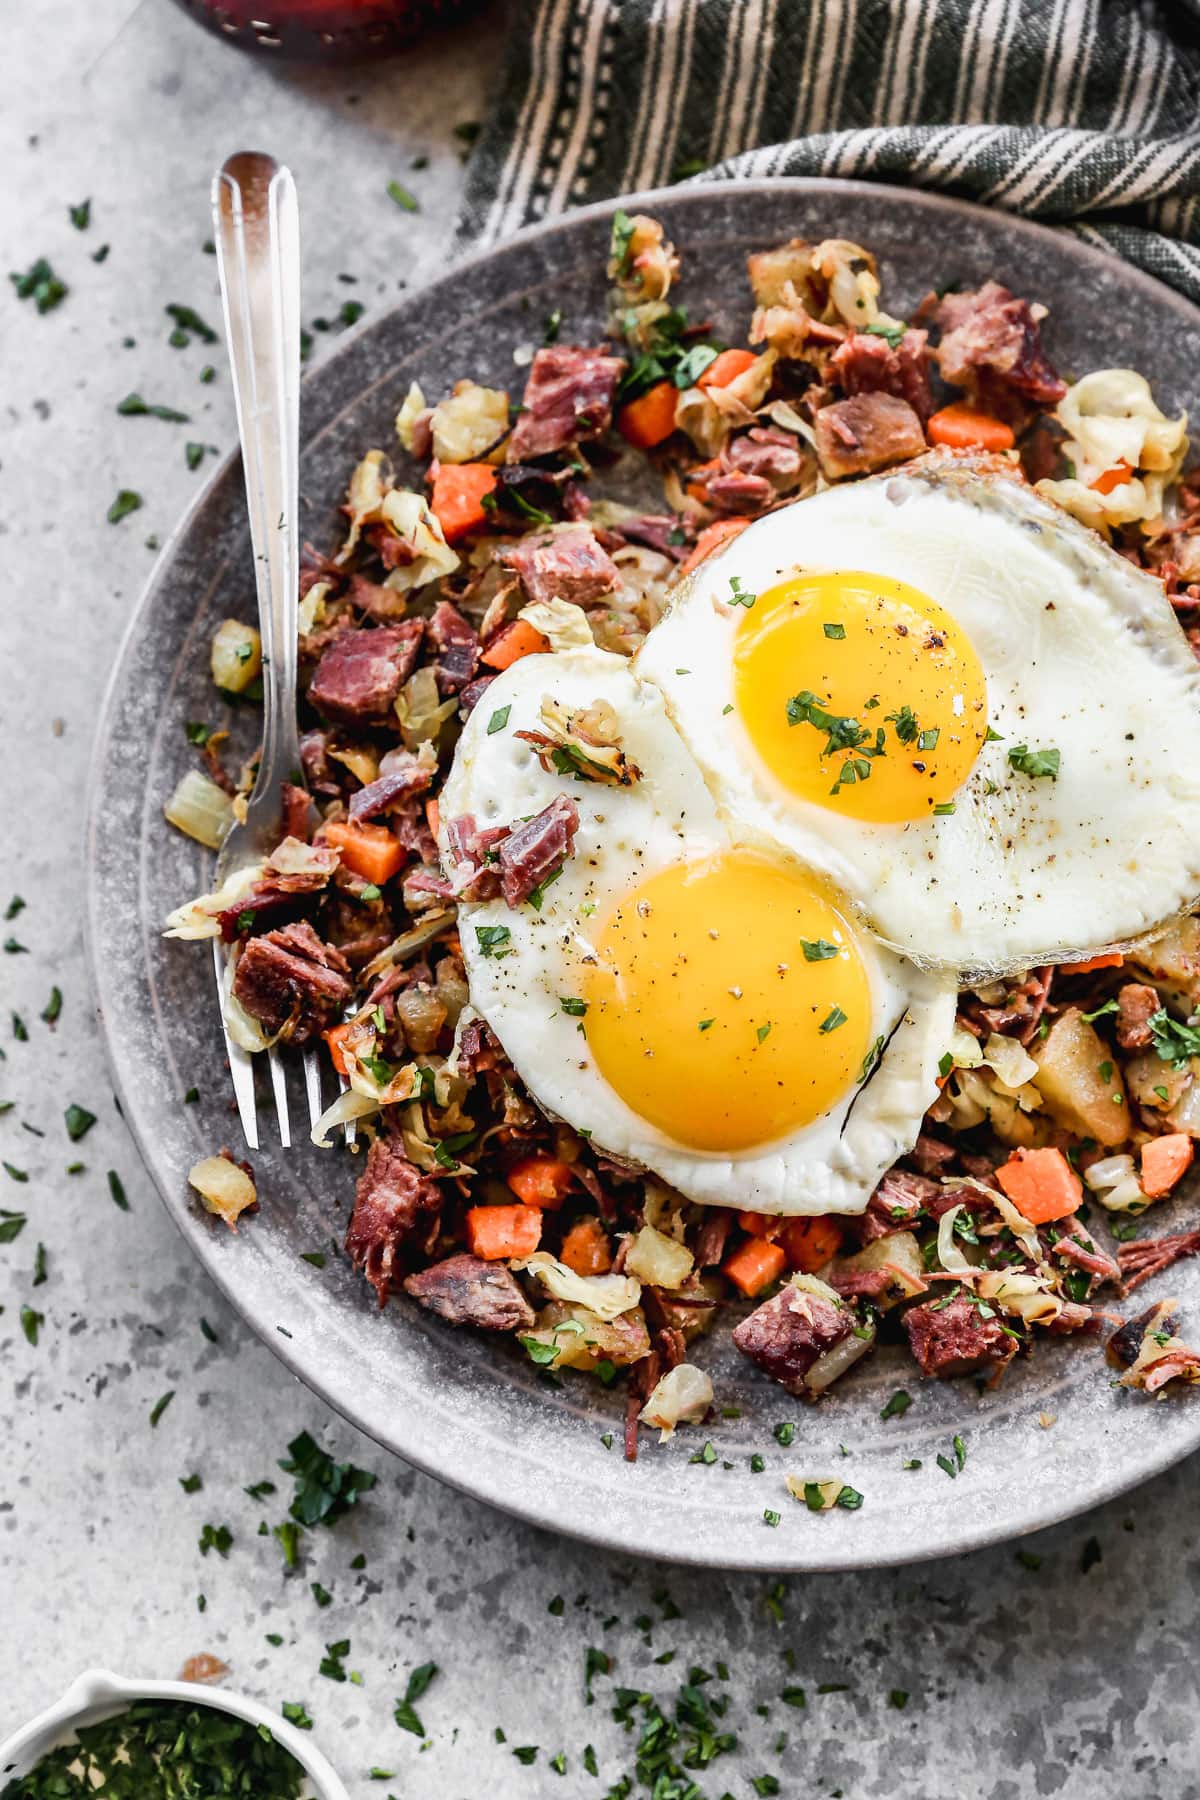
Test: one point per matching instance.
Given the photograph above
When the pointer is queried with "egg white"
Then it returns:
(1080, 651)
(626, 834)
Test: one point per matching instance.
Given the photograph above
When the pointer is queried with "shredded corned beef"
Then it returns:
(956, 1338)
(569, 565)
(292, 983)
(991, 344)
(360, 674)
(869, 364)
(568, 397)
(786, 1334)
(401, 774)
(463, 1290)
(396, 1212)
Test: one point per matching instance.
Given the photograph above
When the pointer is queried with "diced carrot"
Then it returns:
(335, 1037)
(1112, 960)
(433, 814)
(497, 1232)
(586, 1248)
(457, 499)
(370, 850)
(809, 1243)
(650, 418)
(710, 539)
(960, 427)
(760, 1224)
(1041, 1185)
(540, 1180)
(1112, 478)
(726, 368)
(511, 643)
(1164, 1161)
(754, 1265)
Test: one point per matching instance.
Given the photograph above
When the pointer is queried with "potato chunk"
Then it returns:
(1080, 1084)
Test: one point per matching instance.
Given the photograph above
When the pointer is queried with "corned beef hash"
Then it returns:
(776, 908)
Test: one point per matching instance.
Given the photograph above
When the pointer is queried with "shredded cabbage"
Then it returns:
(1111, 418)
(1115, 1184)
(348, 1105)
(199, 918)
(950, 1255)
(412, 407)
(409, 517)
(564, 625)
(608, 1296)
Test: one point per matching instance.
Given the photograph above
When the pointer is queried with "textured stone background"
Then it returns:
(1062, 1679)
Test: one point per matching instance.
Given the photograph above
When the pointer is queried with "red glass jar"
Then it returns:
(325, 28)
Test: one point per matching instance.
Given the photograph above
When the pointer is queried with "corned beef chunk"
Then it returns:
(564, 565)
(869, 431)
(396, 1208)
(473, 693)
(568, 396)
(295, 803)
(322, 775)
(869, 364)
(787, 1333)
(360, 674)
(457, 645)
(291, 982)
(774, 455)
(537, 849)
(991, 343)
(736, 491)
(511, 860)
(956, 1339)
(401, 773)
(895, 1203)
(1136, 1006)
(465, 1290)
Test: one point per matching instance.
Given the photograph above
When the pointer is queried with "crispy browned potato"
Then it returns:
(1079, 1081)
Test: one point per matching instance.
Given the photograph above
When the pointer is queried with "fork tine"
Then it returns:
(350, 1128)
(279, 1083)
(241, 1065)
(312, 1086)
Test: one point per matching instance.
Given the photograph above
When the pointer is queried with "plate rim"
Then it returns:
(483, 1485)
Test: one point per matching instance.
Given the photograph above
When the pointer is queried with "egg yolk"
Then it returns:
(729, 1003)
(860, 694)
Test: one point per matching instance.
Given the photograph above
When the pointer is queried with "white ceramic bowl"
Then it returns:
(98, 1695)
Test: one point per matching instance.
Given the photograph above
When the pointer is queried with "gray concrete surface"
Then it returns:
(1074, 1678)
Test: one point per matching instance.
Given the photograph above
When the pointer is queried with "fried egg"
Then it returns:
(708, 1010)
(979, 720)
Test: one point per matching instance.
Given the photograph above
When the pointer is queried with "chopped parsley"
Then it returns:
(134, 407)
(738, 595)
(836, 632)
(160, 1749)
(160, 1406)
(818, 949)
(1173, 1042)
(897, 1404)
(494, 940)
(31, 1324)
(498, 720)
(188, 324)
(893, 334)
(79, 1122)
(40, 284)
(871, 1058)
(572, 1005)
(325, 1490)
(1035, 763)
(116, 1189)
(832, 1020)
(408, 202)
(126, 502)
(215, 1537)
(81, 215)
(404, 1712)
(295, 1714)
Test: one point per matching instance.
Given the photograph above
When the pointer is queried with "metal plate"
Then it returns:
(464, 1407)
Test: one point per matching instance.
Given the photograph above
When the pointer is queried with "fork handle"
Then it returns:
(257, 233)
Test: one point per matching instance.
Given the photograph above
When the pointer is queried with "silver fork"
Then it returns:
(257, 234)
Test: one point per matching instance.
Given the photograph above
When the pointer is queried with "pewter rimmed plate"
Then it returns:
(466, 1408)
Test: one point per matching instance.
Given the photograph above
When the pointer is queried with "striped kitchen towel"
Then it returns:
(1084, 113)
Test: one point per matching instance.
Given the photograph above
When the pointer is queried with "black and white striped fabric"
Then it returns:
(1084, 113)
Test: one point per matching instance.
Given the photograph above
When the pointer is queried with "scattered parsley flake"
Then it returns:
(1035, 763)
(402, 197)
(160, 1406)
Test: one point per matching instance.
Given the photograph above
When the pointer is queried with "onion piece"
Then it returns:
(681, 1397)
(200, 809)
(949, 1254)
(224, 1187)
(348, 1105)
(564, 625)
(200, 918)
(409, 942)
(236, 656)
(835, 1361)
